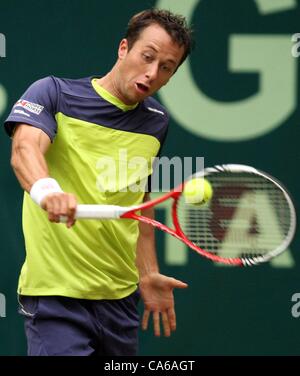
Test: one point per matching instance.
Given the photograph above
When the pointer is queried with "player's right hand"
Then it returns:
(59, 205)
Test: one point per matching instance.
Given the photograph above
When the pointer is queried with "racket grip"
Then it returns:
(99, 211)
(96, 212)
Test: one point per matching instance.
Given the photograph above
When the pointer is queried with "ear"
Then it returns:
(123, 49)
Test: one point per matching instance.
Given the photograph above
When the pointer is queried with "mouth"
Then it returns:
(142, 88)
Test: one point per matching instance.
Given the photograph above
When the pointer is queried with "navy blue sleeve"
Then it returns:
(36, 107)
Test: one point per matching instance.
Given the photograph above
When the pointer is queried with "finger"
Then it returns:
(145, 319)
(63, 205)
(172, 319)
(72, 205)
(166, 324)
(156, 324)
(178, 284)
(48, 206)
(56, 207)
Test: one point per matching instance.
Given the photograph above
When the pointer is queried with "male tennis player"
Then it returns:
(78, 285)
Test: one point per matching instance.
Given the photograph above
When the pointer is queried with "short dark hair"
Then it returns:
(174, 24)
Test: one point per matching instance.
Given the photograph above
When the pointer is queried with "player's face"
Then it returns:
(148, 65)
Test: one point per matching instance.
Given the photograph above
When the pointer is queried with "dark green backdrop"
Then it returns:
(224, 311)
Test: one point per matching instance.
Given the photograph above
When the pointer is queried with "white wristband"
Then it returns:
(42, 187)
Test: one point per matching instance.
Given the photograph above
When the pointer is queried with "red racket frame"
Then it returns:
(177, 231)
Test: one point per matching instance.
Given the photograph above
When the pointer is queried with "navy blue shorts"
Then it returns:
(57, 325)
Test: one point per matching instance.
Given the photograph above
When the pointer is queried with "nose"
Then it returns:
(152, 71)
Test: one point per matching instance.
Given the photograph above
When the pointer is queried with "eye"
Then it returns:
(147, 57)
(166, 68)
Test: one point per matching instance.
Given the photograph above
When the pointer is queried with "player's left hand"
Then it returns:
(157, 293)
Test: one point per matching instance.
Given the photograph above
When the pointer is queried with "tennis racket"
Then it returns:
(249, 220)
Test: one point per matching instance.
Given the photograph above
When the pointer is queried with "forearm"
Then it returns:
(29, 165)
(29, 147)
(28, 161)
(146, 259)
(156, 289)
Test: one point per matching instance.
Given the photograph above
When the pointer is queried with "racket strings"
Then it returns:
(248, 216)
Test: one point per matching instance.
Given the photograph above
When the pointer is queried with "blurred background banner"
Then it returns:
(235, 100)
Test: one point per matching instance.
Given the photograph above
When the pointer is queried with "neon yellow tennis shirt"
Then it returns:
(97, 143)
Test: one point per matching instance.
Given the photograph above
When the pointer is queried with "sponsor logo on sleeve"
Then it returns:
(29, 106)
(21, 112)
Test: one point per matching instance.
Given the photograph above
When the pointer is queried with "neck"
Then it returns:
(109, 83)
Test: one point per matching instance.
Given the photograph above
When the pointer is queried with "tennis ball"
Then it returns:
(197, 191)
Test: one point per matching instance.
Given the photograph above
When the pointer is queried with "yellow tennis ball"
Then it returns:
(197, 191)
